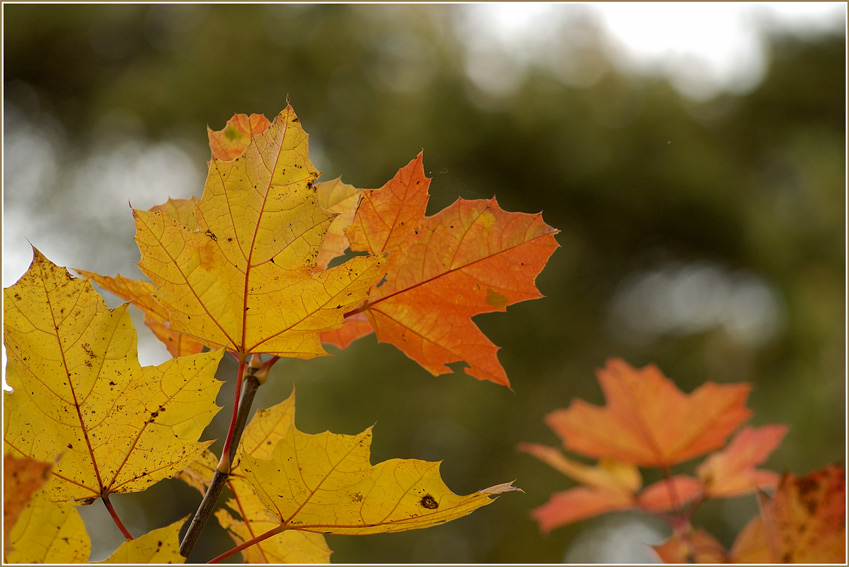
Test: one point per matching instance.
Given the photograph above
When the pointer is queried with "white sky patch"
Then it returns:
(703, 48)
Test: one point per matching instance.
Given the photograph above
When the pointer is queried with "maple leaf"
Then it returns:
(22, 477)
(691, 546)
(470, 258)
(81, 397)
(161, 545)
(54, 532)
(648, 421)
(805, 521)
(49, 532)
(325, 483)
(244, 279)
(609, 485)
(260, 436)
(670, 493)
(751, 545)
(140, 294)
(732, 472)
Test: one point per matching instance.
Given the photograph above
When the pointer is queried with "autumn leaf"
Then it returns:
(670, 493)
(343, 200)
(140, 294)
(229, 142)
(691, 546)
(751, 545)
(468, 259)
(648, 421)
(161, 545)
(244, 279)
(732, 472)
(387, 216)
(54, 532)
(81, 397)
(576, 504)
(22, 477)
(608, 486)
(805, 521)
(49, 532)
(324, 483)
(608, 474)
(245, 516)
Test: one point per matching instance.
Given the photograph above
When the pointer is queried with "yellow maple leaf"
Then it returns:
(161, 545)
(49, 532)
(244, 280)
(260, 437)
(81, 398)
(325, 483)
(54, 532)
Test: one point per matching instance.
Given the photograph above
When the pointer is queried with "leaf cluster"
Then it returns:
(246, 270)
(648, 422)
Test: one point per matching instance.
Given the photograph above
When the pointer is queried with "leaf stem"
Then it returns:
(115, 517)
(224, 463)
(222, 473)
(272, 532)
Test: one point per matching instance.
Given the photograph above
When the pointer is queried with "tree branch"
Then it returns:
(222, 473)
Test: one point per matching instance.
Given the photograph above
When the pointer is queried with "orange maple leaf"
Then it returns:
(648, 421)
(690, 545)
(470, 258)
(805, 521)
(732, 472)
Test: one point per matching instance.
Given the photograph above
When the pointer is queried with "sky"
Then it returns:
(702, 47)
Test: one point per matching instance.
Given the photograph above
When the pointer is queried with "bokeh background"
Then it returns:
(700, 197)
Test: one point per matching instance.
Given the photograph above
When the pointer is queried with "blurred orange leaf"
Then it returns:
(751, 545)
(732, 472)
(670, 493)
(691, 546)
(578, 504)
(648, 421)
(805, 521)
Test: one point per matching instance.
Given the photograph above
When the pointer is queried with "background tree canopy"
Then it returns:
(706, 236)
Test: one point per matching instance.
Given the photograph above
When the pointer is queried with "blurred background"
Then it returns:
(693, 157)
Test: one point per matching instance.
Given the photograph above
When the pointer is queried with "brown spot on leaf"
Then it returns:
(429, 502)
